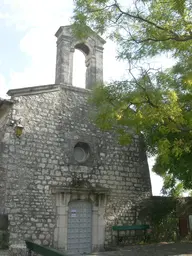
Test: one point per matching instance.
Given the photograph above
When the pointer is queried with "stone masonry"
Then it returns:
(5, 106)
(42, 173)
(4, 252)
(93, 51)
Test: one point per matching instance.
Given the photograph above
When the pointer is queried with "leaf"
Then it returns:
(179, 6)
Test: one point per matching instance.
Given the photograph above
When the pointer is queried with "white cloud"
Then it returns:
(4, 16)
(39, 20)
(39, 45)
(24, 14)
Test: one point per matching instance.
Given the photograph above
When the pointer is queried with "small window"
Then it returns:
(81, 152)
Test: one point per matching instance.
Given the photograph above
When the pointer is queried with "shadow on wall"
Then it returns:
(4, 237)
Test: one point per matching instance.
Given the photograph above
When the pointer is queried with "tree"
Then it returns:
(171, 187)
(154, 102)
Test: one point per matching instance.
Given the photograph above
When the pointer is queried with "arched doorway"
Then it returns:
(79, 233)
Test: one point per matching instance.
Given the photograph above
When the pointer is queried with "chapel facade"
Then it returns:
(64, 182)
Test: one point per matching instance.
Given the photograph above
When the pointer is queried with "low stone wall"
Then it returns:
(128, 237)
(4, 252)
(17, 250)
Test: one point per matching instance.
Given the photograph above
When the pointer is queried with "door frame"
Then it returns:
(97, 198)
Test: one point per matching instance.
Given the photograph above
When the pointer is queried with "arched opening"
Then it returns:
(83, 47)
(79, 69)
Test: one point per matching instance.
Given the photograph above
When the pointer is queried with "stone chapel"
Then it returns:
(63, 182)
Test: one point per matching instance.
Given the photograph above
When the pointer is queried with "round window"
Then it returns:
(81, 152)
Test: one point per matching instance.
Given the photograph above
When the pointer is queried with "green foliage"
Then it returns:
(156, 103)
(166, 230)
(163, 219)
(172, 187)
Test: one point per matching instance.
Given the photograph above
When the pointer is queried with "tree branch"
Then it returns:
(138, 17)
(144, 90)
(178, 39)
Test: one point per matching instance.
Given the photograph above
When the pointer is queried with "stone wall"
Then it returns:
(4, 252)
(42, 159)
(5, 106)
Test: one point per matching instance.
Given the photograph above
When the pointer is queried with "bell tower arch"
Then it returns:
(92, 48)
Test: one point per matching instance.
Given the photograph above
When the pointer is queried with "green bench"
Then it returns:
(43, 250)
(129, 228)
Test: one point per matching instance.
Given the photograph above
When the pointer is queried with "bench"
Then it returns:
(42, 250)
(129, 228)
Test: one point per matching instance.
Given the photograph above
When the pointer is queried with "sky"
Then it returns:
(28, 49)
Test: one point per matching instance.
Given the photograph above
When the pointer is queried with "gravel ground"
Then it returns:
(174, 249)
